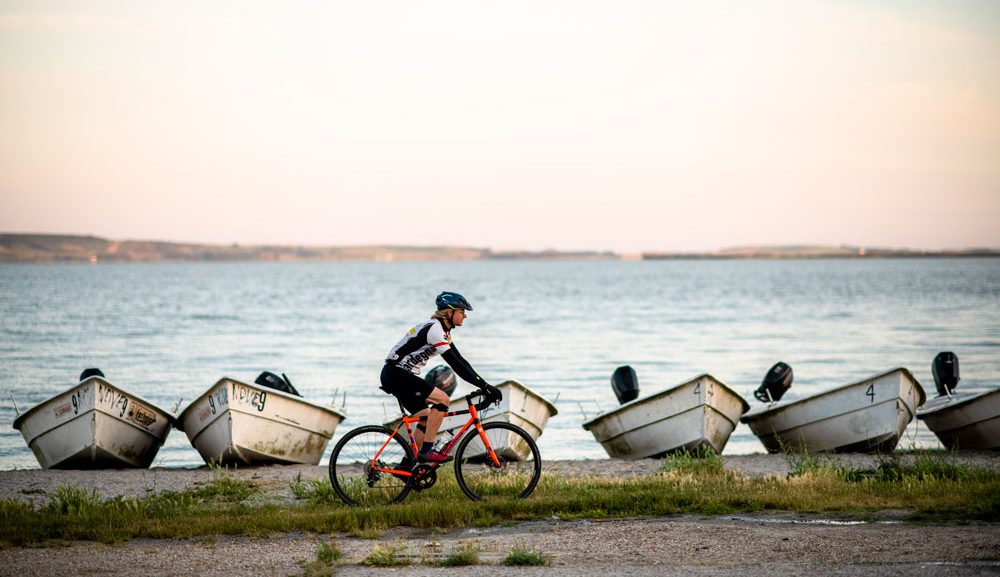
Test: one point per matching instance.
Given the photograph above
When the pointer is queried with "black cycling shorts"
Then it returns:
(411, 390)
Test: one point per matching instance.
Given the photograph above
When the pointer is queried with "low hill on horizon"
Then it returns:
(71, 248)
(818, 251)
(80, 248)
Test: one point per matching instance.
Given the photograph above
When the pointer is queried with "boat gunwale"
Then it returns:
(590, 423)
(770, 409)
(959, 399)
(553, 410)
(178, 424)
(782, 432)
(19, 420)
(703, 407)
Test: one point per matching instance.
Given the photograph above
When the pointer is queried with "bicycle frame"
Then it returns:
(407, 421)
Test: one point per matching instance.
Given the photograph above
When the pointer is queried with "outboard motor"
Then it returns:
(273, 381)
(776, 383)
(945, 370)
(87, 373)
(443, 378)
(625, 384)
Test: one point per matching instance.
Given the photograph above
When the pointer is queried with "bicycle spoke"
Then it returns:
(361, 479)
(519, 467)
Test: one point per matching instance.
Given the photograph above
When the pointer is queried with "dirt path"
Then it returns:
(749, 546)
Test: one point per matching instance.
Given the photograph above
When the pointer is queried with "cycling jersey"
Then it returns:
(421, 343)
(426, 340)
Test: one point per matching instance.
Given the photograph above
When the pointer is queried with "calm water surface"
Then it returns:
(167, 332)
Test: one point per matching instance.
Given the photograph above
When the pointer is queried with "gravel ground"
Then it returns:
(753, 545)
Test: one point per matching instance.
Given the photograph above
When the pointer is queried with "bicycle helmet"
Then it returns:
(450, 300)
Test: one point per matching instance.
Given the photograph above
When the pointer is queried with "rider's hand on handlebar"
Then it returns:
(493, 394)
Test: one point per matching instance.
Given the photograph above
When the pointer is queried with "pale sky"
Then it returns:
(576, 125)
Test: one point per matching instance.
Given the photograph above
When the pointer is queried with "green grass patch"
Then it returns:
(466, 554)
(702, 461)
(930, 487)
(522, 555)
(225, 487)
(315, 491)
(327, 555)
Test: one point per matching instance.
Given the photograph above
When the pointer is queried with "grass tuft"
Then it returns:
(702, 461)
(521, 555)
(466, 554)
(391, 555)
(224, 487)
(327, 555)
(315, 491)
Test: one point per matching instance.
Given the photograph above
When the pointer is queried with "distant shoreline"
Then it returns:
(48, 248)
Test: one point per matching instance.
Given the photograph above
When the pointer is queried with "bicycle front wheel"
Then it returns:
(359, 464)
(520, 463)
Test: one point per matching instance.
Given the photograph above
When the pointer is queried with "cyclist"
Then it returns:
(400, 375)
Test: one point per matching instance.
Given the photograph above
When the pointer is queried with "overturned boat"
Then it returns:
(867, 416)
(697, 414)
(961, 420)
(255, 424)
(94, 425)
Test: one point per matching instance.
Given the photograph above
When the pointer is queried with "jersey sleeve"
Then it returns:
(437, 338)
(462, 367)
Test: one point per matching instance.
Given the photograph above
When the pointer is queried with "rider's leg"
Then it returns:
(437, 397)
(418, 433)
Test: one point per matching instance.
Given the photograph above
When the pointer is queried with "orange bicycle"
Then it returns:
(376, 465)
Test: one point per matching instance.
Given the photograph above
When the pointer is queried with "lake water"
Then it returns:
(167, 332)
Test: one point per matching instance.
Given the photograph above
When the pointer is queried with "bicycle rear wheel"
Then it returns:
(356, 459)
(520, 463)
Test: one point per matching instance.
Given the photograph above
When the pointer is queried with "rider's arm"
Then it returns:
(461, 366)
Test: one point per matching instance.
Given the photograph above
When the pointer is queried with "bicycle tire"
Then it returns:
(520, 463)
(351, 472)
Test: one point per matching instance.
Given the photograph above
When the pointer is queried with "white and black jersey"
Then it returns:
(419, 344)
(426, 340)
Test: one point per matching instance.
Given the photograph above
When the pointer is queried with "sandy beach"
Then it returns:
(760, 544)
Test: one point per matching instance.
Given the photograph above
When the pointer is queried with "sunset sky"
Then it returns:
(627, 126)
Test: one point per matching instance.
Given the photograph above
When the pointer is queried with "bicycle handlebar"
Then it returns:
(484, 403)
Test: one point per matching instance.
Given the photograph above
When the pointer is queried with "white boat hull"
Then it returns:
(965, 420)
(520, 406)
(697, 414)
(238, 423)
(94, 425)
(868, 416)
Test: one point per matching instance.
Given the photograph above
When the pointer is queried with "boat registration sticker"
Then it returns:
(140, 415)
(62, 409)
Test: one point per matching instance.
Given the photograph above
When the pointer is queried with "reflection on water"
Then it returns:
(168, 331)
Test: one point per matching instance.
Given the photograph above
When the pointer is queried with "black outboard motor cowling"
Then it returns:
(87, 373)
(776, 383)
(625, 384)
(443, 378)
(945, 370)
(273, 381)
